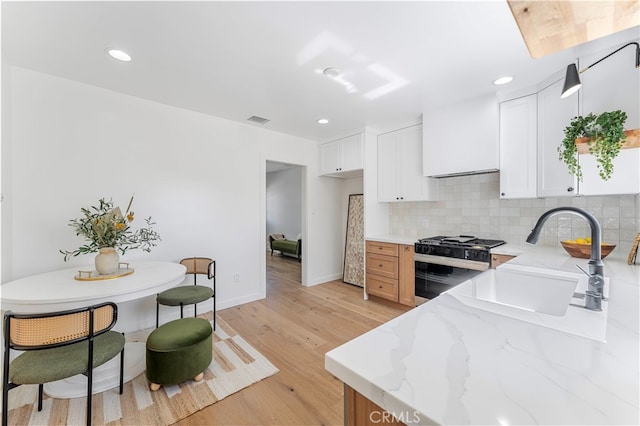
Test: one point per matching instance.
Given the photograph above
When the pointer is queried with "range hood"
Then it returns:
(466, 173)
(461, 139)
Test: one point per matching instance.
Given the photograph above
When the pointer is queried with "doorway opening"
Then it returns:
(284, 219)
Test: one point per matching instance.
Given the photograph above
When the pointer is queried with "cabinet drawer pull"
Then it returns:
(380, 265)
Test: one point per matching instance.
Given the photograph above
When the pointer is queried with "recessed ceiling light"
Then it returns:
(331, 72)
(503, 80)
(119, 55)
(323, 121)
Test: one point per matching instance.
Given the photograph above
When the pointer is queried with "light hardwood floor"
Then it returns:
(294, 327)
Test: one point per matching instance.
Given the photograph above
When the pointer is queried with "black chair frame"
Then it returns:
(9, 345)
(211, 275)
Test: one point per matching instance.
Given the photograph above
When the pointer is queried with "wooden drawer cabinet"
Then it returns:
(385, 266)
(386, 288)
(390, 271)
(406, 275)
(499, 259)
(360, 411)
(387, 249)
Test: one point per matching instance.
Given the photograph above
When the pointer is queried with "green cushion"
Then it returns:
(179, 350)
(49, 365)
(177, 366)
(178, 334)
(285, 245)
(186, 294)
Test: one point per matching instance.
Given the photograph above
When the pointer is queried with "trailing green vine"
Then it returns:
(607, 131)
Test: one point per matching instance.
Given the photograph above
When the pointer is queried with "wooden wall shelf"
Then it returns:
(633, 141)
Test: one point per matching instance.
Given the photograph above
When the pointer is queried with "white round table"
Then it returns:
(59, 290)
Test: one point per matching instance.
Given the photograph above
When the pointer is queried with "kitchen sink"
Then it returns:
(546, 297)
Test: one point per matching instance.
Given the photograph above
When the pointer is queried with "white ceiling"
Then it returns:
(238, 59)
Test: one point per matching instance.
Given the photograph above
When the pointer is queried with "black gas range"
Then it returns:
(443, 262)
(460, 247)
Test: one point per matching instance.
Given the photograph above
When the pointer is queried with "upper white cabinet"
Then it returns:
(613, 84)
(554, 114)
(342, 157)
(400, 167)
(462, 138)
(518, 141)
(625, 178)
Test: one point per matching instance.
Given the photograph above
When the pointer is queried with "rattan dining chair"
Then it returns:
(58, 345)
(191, 294)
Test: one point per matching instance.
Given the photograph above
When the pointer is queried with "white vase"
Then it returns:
(107, 261)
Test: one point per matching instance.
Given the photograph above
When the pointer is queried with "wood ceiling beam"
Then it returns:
(550, 26)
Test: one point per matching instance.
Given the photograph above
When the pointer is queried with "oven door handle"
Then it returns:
(451, 261)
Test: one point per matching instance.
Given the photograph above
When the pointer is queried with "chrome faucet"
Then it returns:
(594, 296)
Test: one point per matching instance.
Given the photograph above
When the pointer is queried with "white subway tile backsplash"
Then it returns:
(471, 205)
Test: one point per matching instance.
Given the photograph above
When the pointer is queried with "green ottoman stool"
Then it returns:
(178, 351)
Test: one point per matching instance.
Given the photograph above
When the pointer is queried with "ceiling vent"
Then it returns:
(257, 120)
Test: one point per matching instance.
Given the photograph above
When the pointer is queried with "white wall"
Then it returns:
(284, 202)
(201, 178)
(5, 170)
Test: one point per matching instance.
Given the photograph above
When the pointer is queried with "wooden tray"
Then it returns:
(123, 271)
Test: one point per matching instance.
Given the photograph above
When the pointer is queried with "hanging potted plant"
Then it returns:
(606, 135)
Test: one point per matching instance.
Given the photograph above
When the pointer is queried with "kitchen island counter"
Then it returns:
(448, 363)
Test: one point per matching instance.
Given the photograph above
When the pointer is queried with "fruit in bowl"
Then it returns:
(581, 247)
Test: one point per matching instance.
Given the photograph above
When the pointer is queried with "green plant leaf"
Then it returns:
(104, 226)
(607, 131)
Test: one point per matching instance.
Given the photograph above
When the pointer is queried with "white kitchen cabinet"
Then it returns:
(400, 175)
(554, 114)
(342, 157)
(518, 146)
(625, 178)
(613, 84)
(461, 138)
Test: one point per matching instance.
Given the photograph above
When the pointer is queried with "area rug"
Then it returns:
(235, 365)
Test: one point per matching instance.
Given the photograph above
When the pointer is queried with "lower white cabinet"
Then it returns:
(518, 146)
(400, 175)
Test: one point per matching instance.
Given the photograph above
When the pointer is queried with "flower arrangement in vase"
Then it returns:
(107, 231)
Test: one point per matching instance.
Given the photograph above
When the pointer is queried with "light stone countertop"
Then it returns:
(453, 364)
(388, 238)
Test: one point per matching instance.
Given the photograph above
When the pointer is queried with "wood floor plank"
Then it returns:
(294, 327)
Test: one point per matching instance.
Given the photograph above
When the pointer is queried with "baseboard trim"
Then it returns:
(322, 280)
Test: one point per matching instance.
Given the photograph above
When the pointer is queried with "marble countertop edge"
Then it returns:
(400, 365)
(381, 397)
